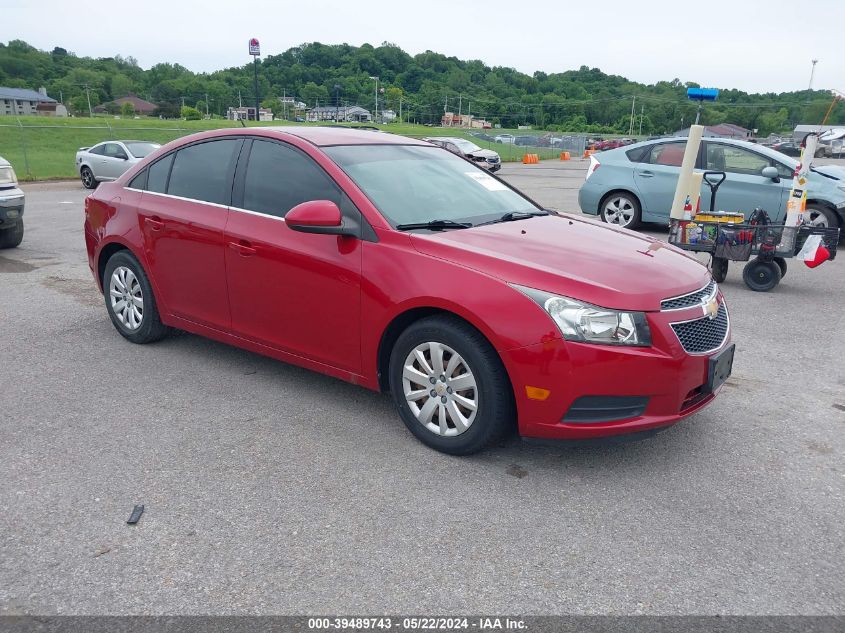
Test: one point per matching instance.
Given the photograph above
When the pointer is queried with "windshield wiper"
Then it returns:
(434, 225)
(512, 216)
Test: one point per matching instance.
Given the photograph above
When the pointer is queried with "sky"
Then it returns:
(750, 45)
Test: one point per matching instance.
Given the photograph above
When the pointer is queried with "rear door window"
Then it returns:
(203, 171)
(97, 150)
(157, 174)
(668, 154)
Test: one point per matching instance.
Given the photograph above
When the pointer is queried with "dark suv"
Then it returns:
(11, 207)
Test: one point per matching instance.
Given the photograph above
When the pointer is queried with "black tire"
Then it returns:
(496, 413)
(831, 219)
(87, 177)
(719, 269)
(781, 262)
(12, 237)
(622, 199)
(761, 276)
(150, 328)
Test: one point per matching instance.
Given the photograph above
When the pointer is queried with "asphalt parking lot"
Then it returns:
(270, 489)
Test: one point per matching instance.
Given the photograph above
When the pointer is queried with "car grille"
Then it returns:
(690, 300)
(705, 334)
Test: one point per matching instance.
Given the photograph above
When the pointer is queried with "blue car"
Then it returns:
(636, 183)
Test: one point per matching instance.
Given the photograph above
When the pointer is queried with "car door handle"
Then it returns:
(154, 223)
(645, 174)
(243, 247)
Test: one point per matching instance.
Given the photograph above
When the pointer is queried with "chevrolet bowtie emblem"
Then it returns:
(711, 309)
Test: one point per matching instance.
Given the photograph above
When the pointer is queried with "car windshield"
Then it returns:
(411, 184)
(140, 149)
(467, 147)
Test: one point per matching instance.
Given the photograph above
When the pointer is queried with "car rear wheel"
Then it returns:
(821, 217)
(450, 386)
(87, 176)
(12, 237)
(130, 301)
(621, 209)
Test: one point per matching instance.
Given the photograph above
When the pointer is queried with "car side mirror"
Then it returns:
(771, 172)
(317, 216)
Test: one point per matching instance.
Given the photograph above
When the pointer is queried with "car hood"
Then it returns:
(832, 171)
(596, 263)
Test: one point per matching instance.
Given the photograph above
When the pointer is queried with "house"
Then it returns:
(387, 116)
(141, 106)
(723, 130)
(803, 130)
(339, 114)
(245, 113)
(20, 102)
(450, 119)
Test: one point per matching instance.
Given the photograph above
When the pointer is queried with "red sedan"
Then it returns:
(398, 266)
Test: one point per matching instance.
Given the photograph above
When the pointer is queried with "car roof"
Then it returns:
(445, 138)
(756, 147)
(323, 136)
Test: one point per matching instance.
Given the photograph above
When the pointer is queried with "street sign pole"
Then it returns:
(255, 51)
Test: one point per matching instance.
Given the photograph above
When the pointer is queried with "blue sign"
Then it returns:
(702, 94)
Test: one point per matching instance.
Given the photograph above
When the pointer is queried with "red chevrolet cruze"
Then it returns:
(396, 265)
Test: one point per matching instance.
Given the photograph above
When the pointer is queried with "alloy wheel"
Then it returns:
(127, 298)
(619, 210)
(440, 389)
(817, 219)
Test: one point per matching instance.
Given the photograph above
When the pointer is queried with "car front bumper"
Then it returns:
(600, 390)
(12, 203)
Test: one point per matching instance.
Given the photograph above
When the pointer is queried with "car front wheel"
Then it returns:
(12, 237)
(87, 176)
(621, 209)
(450, 386)
(821, 217)
(130, 301)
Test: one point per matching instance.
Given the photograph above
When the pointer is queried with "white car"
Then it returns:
(505, 138)
(108, 160)
(484, 158)
(11, 207)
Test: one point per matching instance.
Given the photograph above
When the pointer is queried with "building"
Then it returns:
(723, 130)
(141, 106)
(450, 119)
(803, 130)
(339, 114)
(21, 102)
(245, 113)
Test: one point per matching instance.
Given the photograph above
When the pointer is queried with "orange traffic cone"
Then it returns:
(564, 155)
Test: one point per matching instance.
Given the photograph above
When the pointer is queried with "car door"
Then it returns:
(744, 188)
(183, 213)
(113, 162)
(297, 292)
(656, 178)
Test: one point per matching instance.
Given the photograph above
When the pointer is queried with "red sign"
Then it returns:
(254, 48)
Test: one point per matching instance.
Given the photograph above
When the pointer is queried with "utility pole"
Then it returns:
(285, 103)
(88, 96)
(445, 107)
(631, 127)
(813, 73)
(375, 116)
(206, 106)
(460, 110)
(400, 109)
(240, 101)
(642, 111)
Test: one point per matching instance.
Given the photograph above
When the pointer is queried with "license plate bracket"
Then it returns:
(719, 369)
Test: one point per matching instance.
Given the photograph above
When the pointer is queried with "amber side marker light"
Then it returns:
(537, 393)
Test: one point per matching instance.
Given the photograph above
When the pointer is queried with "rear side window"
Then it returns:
(201, 171)
(638, 154)
(279, 177)
(158, 171)
(669, 154)
(139, 181)
(98, 150)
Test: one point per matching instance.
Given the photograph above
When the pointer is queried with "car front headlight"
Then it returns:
(586, 323)
(8, 177)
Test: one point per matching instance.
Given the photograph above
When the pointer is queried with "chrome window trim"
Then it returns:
(710, 351)
(213, 204)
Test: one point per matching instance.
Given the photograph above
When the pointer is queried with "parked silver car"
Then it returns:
(108, 160)
(484, 158)
(11, 207)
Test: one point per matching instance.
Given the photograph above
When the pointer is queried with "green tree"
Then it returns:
(190, 114)
(127, 109)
